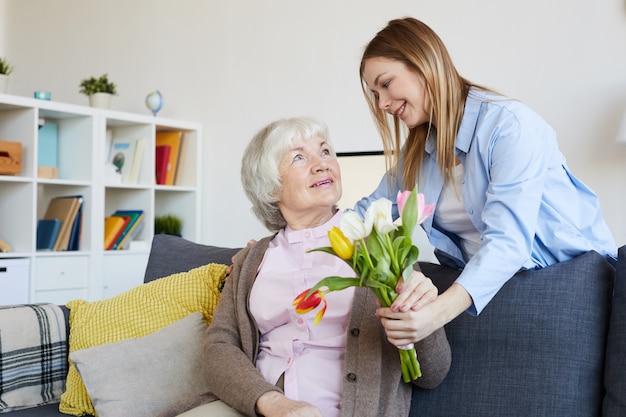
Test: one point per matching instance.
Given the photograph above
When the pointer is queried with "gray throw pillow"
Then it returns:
(615, 370)
(537, 349)
(172, 254)
(140, 377)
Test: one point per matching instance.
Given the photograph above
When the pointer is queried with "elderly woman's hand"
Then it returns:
(275, 404)
(418, 291)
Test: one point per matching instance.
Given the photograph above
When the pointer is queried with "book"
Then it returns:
(65, 209)
(77, 226)
(122, 155)
(174, 139)
(161, 163)
(136, 216)
(132, 233)
(47, 232)
(135, 167)
(47, 145)
(113, 228)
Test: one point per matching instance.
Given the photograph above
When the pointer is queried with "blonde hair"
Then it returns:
(413, 43)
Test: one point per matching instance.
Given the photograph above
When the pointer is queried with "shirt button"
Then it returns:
(307, 235)
(351, 377)
(355, 332)
(470, 211)
(300, 321)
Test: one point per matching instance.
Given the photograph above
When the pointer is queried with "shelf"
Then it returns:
(83, 138)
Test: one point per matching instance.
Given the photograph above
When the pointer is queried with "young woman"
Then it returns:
(505, 198)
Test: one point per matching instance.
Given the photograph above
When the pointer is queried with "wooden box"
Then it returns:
(10, 158)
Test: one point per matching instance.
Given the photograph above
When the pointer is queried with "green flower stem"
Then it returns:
(386, 300)
(395, 268)
(367, 254)
(410, 366)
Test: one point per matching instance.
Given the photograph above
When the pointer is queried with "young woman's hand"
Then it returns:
(414, 294)
(275, 404)
(411, 326)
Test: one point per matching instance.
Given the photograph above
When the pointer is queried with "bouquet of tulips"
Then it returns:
(380, 251)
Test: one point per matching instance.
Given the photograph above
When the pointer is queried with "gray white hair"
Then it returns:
(260, 164)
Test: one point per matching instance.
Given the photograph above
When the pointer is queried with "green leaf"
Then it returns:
(409, 215)
(409, 262)
(382, 272)
(376, 245)
(335, 283)
(327, 249)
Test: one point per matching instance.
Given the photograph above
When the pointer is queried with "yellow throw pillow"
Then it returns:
(136, 313)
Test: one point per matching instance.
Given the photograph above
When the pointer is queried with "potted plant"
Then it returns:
(5, 70)
(99, 90)
(168, 224)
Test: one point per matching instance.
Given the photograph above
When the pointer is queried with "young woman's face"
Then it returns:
(310, 179)
(400, 90)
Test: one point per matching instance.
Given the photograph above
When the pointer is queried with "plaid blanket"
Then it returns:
(33, 355)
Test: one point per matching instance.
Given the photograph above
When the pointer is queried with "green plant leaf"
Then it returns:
(409, 215)
(334, 283)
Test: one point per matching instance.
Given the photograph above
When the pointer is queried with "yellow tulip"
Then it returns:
(340, 243)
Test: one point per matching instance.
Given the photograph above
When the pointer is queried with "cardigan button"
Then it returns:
(355, 331)
(351, 377)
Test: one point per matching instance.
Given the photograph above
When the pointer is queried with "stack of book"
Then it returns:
(168, 150)
(61, 226)
(121, 228)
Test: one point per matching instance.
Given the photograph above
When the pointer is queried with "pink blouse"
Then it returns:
(310, 356)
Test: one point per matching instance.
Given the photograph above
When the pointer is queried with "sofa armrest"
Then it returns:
(615, 370)
(33, 355)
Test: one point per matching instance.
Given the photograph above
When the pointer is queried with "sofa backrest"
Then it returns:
(172, 254)
(537, 349)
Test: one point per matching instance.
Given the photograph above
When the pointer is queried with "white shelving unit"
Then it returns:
(90, 273)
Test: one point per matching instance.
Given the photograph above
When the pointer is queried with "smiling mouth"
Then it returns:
(399, 112)
(322, 182)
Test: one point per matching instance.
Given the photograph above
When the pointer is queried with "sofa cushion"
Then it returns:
(615, 371)
(33, 355)
(136, 313)
(537, 349)
(172, 254)
(149, 372)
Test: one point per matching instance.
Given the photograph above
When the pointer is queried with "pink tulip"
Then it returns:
(423, 210)
(403, 196)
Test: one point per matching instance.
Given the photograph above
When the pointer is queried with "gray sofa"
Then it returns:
(551, 343)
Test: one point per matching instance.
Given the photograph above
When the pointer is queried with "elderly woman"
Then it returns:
(264, 359)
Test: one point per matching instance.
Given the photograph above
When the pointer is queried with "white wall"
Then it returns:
(235, 65)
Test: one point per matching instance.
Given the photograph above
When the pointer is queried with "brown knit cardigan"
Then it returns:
(372, 377)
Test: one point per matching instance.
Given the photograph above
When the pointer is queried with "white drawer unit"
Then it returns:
(14, 277)
(61, 273)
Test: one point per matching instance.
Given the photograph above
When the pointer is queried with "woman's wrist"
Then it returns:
(451, 303)
(266, 401)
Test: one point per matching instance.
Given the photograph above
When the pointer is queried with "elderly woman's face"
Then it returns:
(310, 178)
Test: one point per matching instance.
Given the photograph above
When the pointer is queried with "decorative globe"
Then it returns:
(154, 101)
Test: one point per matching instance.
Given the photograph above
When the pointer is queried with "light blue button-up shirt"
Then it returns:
(530, 210)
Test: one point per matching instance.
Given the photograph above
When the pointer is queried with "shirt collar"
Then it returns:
(470, 118)
(321, 231)
(468, 124)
